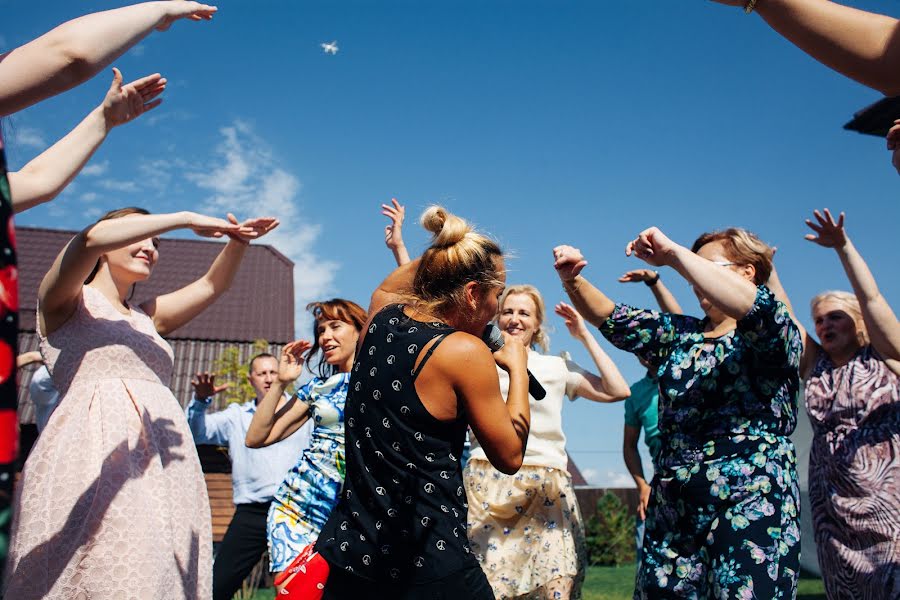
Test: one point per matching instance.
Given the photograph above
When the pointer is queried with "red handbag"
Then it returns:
(305, 577)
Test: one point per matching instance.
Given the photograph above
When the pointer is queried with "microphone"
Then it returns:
(494, 340)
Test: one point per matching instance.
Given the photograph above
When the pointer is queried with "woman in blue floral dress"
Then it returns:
(723, 519)
(310, 490)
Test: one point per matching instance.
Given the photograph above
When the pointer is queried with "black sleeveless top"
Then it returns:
(401, 517)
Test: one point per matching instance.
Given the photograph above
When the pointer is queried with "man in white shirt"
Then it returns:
(255, 473)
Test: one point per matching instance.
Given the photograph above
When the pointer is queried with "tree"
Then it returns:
(609, 534)
(230, 368)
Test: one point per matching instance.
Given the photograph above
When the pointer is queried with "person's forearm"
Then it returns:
(724, 288)
(75, 51)
(117, 233)
(859, 44)
(517, 404)
(611, 379)
(593, 305)
(864, 285)
(223, 269)
(635, 465)
(42, 179)
(264, 417)
(401, 255)
(400, 280)
(665, 298)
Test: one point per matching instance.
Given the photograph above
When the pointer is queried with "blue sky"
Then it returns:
(542, 122)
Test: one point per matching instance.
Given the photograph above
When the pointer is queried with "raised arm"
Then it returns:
(393, 288)
(728, 290)
(78, 49)
(271, 424)
(665, 298)
(810, 346)
(61, 287)
(393, 233)
(42, 179)
(501, 428)
(590, 302)
(207, 428)
(608, 385)
(881, 322)
(171, 311)
(861, 45)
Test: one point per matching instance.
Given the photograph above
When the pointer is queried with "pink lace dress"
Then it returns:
(112, 502)
(854, 475)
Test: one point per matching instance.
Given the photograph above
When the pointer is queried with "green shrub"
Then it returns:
(609, 534)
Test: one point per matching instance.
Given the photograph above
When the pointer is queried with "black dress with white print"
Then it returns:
(401, 518)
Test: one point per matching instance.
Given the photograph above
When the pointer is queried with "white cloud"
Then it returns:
(93, 212)
(245, 179)
(118, 186)
(92, 170)
(139, 50)
(89, 196)
(617, 479)
(29, 137)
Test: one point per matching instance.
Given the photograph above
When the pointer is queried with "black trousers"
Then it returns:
(468, 584)
(240, 550)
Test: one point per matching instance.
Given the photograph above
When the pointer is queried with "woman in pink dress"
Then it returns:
(853, 398)
(112, 501)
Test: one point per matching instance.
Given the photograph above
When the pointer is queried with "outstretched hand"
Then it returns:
(251, 229)
(638, 275)
(568, 262)
(205, 385)
(573, 320)
(124, 103)
(214, 227)
(393, 233)
(652, 246)
(829, 233)
(180, 9)
(293, 356)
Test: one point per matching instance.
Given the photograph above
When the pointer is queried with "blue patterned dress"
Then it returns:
(310, 490)
(723, 519)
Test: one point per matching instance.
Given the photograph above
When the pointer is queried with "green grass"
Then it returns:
(617, 583)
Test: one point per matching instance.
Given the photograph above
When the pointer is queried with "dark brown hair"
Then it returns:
(743, 248)
(115, 214)
(336, 309)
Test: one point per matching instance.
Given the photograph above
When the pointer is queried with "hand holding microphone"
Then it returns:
(493, 337)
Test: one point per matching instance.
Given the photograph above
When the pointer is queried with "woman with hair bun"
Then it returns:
(422, 375)
(852, 377)
(723, 514)
(526, 528)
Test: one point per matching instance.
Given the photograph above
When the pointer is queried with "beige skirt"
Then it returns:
(526, 530)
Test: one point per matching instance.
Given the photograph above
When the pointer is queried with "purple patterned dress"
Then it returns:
(854, 475)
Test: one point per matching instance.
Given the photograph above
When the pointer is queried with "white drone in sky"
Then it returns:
(331, 48)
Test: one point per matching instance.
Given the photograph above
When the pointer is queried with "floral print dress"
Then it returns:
(310, 490)
(723, 519)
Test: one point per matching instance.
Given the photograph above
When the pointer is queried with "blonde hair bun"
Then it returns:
(447, 228)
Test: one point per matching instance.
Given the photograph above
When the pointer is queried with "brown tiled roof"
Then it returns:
(575, 472)
(259, 305)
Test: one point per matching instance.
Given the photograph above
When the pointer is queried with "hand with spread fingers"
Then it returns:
(293, 357)
(829, 233)
(638, 275)
(393, 233)
(205, 385)
(124, 103)
(573, 320)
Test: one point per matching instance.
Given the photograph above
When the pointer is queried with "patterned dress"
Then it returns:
(9, 328)
(723, 519)
(854, 475)
(112, 503)
(310, 490)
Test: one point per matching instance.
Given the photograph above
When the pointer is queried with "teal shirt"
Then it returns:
(641, 412)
